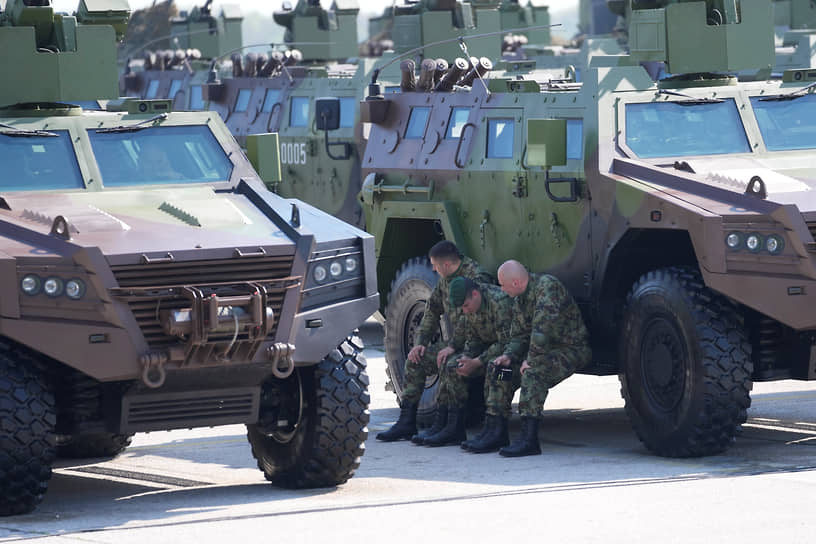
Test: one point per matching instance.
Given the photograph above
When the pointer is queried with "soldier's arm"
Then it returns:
(460, 336)
(551, 296)
(430, 320)
(519, 337)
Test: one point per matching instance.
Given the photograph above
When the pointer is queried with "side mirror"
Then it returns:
(546, 142)
(327, 117)
(327, 113)
(262, 152)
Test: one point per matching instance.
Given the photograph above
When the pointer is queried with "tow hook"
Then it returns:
(153, 373)
(280, 354)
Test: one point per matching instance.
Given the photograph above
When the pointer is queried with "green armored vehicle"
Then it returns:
(276, 92)
(678, 213)
(152, 282)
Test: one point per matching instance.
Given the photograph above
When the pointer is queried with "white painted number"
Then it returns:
(293, 153)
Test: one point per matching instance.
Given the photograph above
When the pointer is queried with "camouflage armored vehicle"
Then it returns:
(678, 213)
(152, 282)
(276, 92)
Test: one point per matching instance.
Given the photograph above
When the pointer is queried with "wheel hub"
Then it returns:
(664, 364)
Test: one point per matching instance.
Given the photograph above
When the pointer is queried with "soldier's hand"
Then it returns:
(502, 360)
(468, 366)
(416, 353)
(524, 366)
(443, 355)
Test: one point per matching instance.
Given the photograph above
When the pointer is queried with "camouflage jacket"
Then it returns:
(545, 318)
(486, 332)
(438, 303)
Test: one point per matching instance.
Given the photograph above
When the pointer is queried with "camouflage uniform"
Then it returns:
(484, 336)
(549, 332)
(437, 305)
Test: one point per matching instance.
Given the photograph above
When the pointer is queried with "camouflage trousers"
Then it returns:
(416, 374)
(499, 394)
(546, 371)
(453, 388)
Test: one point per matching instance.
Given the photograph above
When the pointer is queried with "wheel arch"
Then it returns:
(427, 223)
(637, 252)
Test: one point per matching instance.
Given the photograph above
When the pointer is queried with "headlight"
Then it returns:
(74, 289)
(734, 240)
(351, 264)
(31, 284)
(53, 287)
(754, 242)
(335, 269)
(774, 244)
(320, 273)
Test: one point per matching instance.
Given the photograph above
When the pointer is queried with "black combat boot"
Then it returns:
(488, 424)
(454, 431)
(495, 439)
(440, 420)
(405, 427)
(527, 443)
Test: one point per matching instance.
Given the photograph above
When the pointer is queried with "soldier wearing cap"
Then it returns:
(485, 324)
(426, 357)
(549, 334)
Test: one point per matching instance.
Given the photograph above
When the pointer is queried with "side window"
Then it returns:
(242, 102)
(347, 112)
(575, 139)
(417, 122)
(458, 118)
(152, 89)
(270, 99)
(196, 98)
(500, 134)
(299, 111)
(175, 87)
(389, 89)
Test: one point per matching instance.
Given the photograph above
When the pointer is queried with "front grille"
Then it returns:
(153, 288)
(160, 411)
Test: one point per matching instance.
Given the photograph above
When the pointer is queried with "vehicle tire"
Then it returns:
(322, 444)
(685, 365)
(27, 437)
(95, 445)
(410, 290)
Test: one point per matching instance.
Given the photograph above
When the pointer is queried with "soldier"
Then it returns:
(548, 331)
(425, 358)
(486, 328)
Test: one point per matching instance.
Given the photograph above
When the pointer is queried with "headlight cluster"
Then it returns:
(755, 242)
(336, 269)
(52, 286)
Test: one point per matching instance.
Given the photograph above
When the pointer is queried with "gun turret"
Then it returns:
(50, 57)
(213, 35)
(321, 34)
(702, 36)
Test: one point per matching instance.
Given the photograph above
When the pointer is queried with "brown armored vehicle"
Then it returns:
(152, 282)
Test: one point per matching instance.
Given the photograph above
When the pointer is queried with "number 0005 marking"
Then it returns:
(293, 153)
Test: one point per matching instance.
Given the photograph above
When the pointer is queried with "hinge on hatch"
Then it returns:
(520, 186)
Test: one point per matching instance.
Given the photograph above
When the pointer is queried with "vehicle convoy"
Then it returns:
(276, 92)
(679, 213)
(152, 281)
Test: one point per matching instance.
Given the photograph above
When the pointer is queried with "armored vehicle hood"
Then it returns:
(160, 220)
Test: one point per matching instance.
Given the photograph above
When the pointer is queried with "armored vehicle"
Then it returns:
(152, 282)
(277, 91)
(679, 213)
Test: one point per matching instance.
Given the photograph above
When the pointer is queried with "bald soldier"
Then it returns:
(549, 335)
(426, 357)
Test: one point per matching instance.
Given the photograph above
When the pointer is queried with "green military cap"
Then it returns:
(456, 292)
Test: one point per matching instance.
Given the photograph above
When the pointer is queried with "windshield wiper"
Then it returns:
(14, 131)
(793, 95)
(136, 126)
(692, 100)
